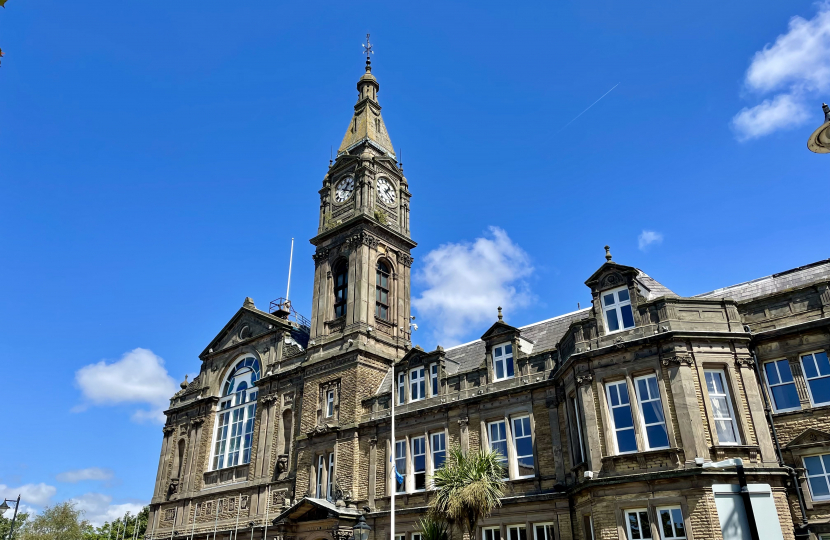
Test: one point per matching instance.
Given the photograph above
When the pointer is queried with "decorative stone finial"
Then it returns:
(608, 253)
(501, 318)
(249, 302)
(826, 110)
(184, 383)
(367, 50)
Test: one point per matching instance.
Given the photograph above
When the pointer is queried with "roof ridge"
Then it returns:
(771, 276)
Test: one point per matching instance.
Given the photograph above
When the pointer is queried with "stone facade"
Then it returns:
(309, 451)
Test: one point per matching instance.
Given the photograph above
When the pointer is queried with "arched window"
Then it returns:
(382, 291)
(341, 288)
(235, 421)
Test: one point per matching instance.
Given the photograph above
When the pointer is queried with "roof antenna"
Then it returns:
(400, 159)
(288, 289)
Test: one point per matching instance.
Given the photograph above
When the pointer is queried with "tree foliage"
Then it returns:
(62, 521)
(5, 525)
(117, 528)
(468, 488)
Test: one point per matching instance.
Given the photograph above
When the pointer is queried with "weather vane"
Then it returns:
(367, 50)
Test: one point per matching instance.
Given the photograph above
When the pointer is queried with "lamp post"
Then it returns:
(4, 507)
(361, 529)
(819, 141)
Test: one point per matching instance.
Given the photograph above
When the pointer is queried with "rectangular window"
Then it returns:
(543, 531)
(438, 445)
(237, 416)
(401, 388)
(221, 436)
(781, 386)
(516, 532)
(651, 412)
(670, 523)
(330, 483)
(722, 412)
(491, 533)
(498, 441)
(616, 305)
(416, 536)
(417, 385)
(419, 463)
(588, 526)
(330, 403)
(248, 437)
(433, 378)
(576, 434)
(621, 421)
(321, 463)
(818, 476)
(523, 444)
(503, 362)
(400, 464)
(817, 371)
(636, 521)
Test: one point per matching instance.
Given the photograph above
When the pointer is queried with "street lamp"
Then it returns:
(819, 141)
(361, 529)
(4, 507)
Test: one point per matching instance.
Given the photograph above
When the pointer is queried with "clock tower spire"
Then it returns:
(363, 260)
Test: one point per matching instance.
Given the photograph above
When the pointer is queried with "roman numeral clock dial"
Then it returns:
(385, 191)
(344, 189)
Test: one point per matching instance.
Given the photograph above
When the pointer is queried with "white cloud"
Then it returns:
(465, 282)
(797, 66)
(648, 238)
(138, 377)
(98, 508)
(36, 494)
(79, 475)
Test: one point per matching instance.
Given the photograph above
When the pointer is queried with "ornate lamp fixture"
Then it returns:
(361, 529)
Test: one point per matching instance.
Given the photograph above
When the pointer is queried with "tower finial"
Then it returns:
(183, 385)
(608, 253)
(367, 50)
(501, 318)
(826, 110)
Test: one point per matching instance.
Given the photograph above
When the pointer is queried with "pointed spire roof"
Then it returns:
(367, 126)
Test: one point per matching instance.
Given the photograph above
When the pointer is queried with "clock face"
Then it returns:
(344, 189)
(385, 191)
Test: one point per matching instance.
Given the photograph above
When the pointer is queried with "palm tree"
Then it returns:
(468, 487)
(433, 528)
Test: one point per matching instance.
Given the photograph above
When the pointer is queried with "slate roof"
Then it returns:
(651, 287)
(797, 277)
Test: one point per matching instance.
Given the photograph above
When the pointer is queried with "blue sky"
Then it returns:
(157, 158)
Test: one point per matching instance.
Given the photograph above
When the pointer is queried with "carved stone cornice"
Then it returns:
(678, 360)
(198, 421)
(584, 380)
(359, 238)
(745, 362)
(406, 260)
(463, 421)
(320, 255)
(167, 430)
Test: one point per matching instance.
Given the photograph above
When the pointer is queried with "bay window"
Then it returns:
(651, 412)
(622, 423)
(723, 414)
(817, 372)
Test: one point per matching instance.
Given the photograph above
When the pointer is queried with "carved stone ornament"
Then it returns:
(584, 379)
(282, 466)
(463, 422)
(269, 399)
(406, 260)
(361, 237)
(373, 441)
(167, 430)
(744, 361)
(320, 255)
(619, 343)
(678, 360)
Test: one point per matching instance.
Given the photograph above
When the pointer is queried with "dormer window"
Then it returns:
(503, 362)
(616, 307)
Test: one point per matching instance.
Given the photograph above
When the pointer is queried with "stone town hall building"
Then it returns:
(604, 415)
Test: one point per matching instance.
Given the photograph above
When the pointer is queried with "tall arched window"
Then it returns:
(382, 291)
(235, 421)
(341, 288)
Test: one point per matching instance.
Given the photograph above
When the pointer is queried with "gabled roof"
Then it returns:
(789, 279)
(248, 309)
(498, 328)
(308, 504)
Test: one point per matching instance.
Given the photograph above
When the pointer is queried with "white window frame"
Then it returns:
(547, 526)
(503, 357)
(528, 435)
(518, 527)
(640, 402)
(416, 536)
(330, 478)
(400, 443)
(401, 388)
(670, 509)
(575, 406)
(611, 421)
(506, 442)
(235, 417)
(638, 513)
(321, 463)
(437, 445)
(493, 532)
(825, 476)
(417, 384)
(434, 386)
(423, 452)
(807, 379)
(779, 383)
(728, 396)
(329, 402)
(616, 306)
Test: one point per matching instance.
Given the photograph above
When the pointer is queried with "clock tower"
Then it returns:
(362, 261)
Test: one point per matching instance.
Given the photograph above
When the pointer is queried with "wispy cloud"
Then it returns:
(80, 475)
(648, 238)
(796, 68)
(465, 282)
(98, 508)
(138, 377)
(34, 494)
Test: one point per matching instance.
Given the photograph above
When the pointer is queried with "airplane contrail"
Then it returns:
(586, 110)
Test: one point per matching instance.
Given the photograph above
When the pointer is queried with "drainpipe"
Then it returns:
(802, 532)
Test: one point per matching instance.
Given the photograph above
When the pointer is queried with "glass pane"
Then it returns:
(623, 393)
(820, 388)
(823, 364)
(627, 316)
(653, 391)
(726, 431)
(785, 397)
(615, 398)
(772, 373)
(645, 524)
(809, 366)
(657, 436)
(509, 362)
(524, 447)
(439, 459)
(499, 369)
(497, 351)
(720, 407)
(626, 441)
(634, 526)
(508, 349)
(818, 486)
(525, 465)
(613, 323)
(653, 412)
(622, 417)
(642, 387)
(679, 526)
(540, 533)
(623, 295)
(608, 299)
(665, 522)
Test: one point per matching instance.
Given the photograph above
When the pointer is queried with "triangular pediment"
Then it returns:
(500, 328)
(248, 323)
(810, 437)
(610, 275)
(311, 509)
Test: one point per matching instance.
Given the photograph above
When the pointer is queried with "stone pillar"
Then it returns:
(590, 423)
(465, 434)
(556, 436)
(756, 409)
(689, 420)
(373, 466)
(160, 476)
